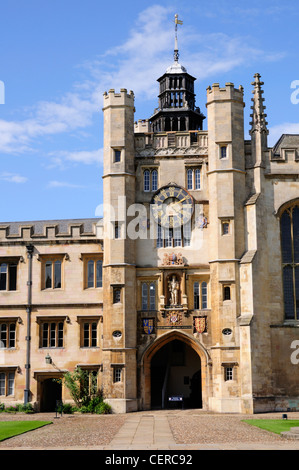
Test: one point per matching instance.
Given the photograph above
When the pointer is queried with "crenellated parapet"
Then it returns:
(229, 92)
(123, 98)
(142, 126)
(77, 229)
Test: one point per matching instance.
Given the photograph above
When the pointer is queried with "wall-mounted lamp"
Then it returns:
(48, 359)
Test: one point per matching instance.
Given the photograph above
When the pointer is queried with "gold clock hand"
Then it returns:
(179, 202)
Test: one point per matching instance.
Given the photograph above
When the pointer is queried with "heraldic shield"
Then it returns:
(148, 325)
(200, 324)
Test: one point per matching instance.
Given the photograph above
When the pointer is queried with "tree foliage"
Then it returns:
(82, 386)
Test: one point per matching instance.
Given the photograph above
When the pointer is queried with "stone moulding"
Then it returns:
(172, 151)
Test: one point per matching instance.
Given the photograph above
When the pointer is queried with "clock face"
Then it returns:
(172, 206)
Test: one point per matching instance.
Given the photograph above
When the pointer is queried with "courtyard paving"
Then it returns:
(150, 430)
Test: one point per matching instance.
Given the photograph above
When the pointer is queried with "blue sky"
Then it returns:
(59, 56)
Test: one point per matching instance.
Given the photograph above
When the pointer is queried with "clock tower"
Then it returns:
(177, 110)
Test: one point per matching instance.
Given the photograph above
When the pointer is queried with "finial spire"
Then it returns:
(259, 131)
(258, 123)
(176, 50)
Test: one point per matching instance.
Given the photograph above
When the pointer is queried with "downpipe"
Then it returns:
(30, 250)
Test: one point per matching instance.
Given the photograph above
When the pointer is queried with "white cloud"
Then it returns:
(144, 56)
(62, 159)
(13, 178)
(276, 132)
(83, 156)
(64, 184)
(135, 65)
(50, 118)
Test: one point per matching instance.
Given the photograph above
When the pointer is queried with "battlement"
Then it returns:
(50, 229)
(123, 98)
(142, 126)
(229, 92)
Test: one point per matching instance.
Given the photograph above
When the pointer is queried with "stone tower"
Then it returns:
(226, 181)
(119, 277)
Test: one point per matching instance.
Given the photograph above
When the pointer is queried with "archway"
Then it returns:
(173, 368)
(175, 364)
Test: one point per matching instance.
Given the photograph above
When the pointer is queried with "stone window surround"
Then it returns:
(150, 169)
(86, 257)
(11, 340)
(11, 260)
(117, 371)
(193, 168)
(8, 372)
(229, 365)
(224, 284)
(41, 320)
(226, 220)
(49, 257)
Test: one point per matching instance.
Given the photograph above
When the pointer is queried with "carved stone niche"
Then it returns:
(175, 289)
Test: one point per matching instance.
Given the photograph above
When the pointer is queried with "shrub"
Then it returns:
(28, 408)
(78, 384)
(103, 408)
(68, 409)
(84, 409)
(11, 409)
(94, 403)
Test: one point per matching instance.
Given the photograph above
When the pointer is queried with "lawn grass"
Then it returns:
(274, 425)
(14, 428)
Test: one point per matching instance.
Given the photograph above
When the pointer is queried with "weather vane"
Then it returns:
(176, 50)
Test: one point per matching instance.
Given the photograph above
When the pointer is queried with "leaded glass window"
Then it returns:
(289, 224)
(146, 180)
(148, 296)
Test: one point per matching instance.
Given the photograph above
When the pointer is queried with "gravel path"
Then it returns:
(189, 428)
(65, 431)
(217, 429)
(227, 430)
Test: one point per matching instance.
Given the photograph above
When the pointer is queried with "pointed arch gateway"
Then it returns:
(200, 377)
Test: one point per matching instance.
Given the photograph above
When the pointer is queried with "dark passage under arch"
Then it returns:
(176, 370)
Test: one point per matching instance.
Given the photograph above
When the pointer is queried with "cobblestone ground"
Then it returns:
(66, 431)
(190, 429)
(225, 429)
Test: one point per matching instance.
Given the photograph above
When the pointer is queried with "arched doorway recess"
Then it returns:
(175, 364)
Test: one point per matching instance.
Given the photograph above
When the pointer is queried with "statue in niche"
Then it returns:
(174, 287)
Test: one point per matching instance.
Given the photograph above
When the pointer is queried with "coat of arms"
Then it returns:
(148, 325)
(174, 319)
(173, 258)
(200, 324)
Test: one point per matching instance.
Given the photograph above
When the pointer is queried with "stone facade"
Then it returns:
(181, 290)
